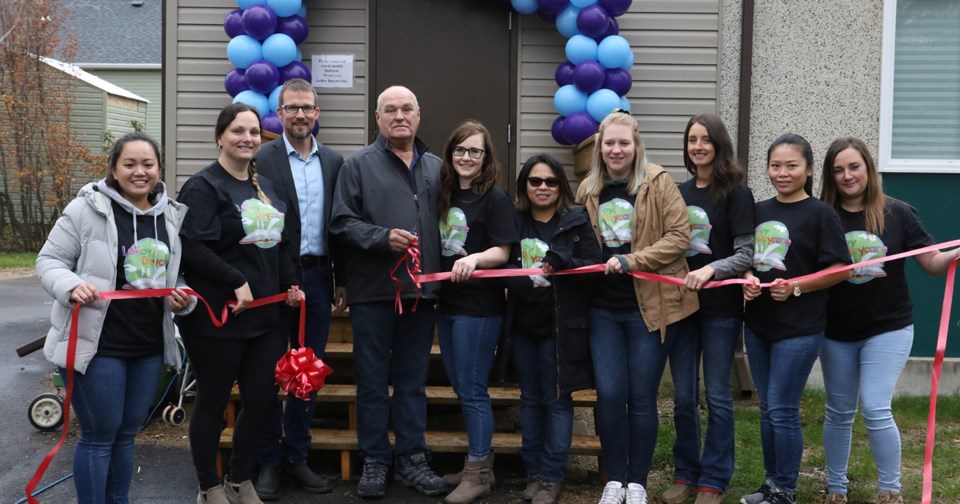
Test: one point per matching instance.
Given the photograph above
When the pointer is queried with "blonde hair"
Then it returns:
(598, 176)
(255, 180)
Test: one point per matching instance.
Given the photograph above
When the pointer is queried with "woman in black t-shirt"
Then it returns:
(869, 317)
(795, 235)
(546, 326)
(721, 246)
(234, 248)
(476, 231)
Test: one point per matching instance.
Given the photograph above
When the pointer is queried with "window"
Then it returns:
(920, 89)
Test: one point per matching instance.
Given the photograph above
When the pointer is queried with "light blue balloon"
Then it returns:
(626, 66)
(601, 102)
(274, 97)
(614, 52)
(255, 100)
(303, 10)
(243, 51)
(246, 4)
(625, 103)
(284, 8)
(582, 3)
(524, 6)
(568, 99)
(567, 21)
(279, 49)
(581, 48)
(299, 55)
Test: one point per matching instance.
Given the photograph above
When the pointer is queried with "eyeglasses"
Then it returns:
(293, 109)
(474, 152)
(537, 181)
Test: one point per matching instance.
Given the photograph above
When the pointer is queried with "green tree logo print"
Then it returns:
(453, 233)
(863, 247)
(699, 232)
(532, 251)
(145, 264)
(614, 221)
(262, 222)
(770, 246)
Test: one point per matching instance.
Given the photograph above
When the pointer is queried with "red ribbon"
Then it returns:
(927, 492)
(299, 371)
(151, 293)
(411, 260)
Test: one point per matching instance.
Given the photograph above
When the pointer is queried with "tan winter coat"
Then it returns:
(661, 234)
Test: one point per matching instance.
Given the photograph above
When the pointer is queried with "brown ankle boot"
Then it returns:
(454, 478)
(474, 484)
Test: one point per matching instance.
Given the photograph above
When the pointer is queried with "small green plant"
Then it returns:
(17, 260)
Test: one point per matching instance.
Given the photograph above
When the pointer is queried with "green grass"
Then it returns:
(910, 414)
(17, 260)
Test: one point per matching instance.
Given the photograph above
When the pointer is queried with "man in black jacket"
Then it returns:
(386, 203)
(304, 173)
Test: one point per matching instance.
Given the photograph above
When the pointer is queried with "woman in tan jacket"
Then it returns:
(641, 221)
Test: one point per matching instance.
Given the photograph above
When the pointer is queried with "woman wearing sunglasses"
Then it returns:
(476, 231)
(546, 320)
(641, 222)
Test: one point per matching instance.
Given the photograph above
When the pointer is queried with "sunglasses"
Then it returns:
(537, 181)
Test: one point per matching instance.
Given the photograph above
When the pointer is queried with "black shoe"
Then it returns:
(268, 483)
(373, 481)
(307, 480)
(416, 473)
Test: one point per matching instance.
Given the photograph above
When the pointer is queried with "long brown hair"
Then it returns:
(874, 201)
(490, 169)
(727, 172)
(227, 115)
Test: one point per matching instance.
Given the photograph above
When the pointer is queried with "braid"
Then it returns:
(256, 183)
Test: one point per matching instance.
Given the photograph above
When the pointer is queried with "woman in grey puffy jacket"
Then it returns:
(119, 233)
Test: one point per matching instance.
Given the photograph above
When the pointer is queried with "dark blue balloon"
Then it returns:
(294, 26)
(272, 123)
(234, 82)
(615, 7)
(259, 22)
(556, 131)
(613, 28)
(588, 76)
(262, 76)
(233, 23)
(564, 73)
(592, 21)
(295, 70)
(578, 126)
(316, 127)
(553, 7)
(618, 80)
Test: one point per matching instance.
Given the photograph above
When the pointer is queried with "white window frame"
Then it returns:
(887, 162)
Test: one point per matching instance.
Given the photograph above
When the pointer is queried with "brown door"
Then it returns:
(455, 55)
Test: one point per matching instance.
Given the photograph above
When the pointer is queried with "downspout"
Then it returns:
(746, 83)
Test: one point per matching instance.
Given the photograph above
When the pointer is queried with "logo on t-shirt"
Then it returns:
(863, 247)
(262, 222)
(771, 242)
(453, 233)
(532, 251)
(614, 222)
(145, 264)
(699, 232)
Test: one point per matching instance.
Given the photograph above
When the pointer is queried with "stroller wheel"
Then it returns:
(177, 416)
(46, 412)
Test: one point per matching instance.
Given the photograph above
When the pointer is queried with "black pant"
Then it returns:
(217, 363)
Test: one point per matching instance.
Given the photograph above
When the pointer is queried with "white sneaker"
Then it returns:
(636, 494)
(613, 493)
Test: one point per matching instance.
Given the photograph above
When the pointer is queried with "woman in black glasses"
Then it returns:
(476, 231)
(546, 326)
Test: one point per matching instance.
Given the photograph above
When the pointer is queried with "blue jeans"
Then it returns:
(546, 418)
(110, 400)
(468, 345)
(715, 344)
(864, 371)
(391, 349)
(298, 414)
(780, 371)
(628, 362)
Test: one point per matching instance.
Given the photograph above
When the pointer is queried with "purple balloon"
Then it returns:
(233, 24)
(578, 126)
(262, 76)
(235, 82)
(618, 80)
(564, 73)
(294, 26)
(556, 131)
(553, 7)
(588, 76)
(613, 28)
(259, 21)
(295, 70)
(615, 7)
(592, 21)
(316, 127)
(272, 123)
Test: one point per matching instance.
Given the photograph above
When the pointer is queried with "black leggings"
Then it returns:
(217, 363)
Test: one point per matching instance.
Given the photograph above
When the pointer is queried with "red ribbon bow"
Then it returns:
(411, 260)
(299, 371)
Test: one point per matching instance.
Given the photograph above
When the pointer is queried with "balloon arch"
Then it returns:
(264, 35)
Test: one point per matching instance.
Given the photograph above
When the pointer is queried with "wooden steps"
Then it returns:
(499, 396)
(344, 350)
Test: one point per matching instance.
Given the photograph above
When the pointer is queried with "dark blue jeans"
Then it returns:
(298, 414)
(628, 362)
(780, 370)
(389, 348)
(546, 418)
(110, 400)
(468, 345)
(715, 343)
